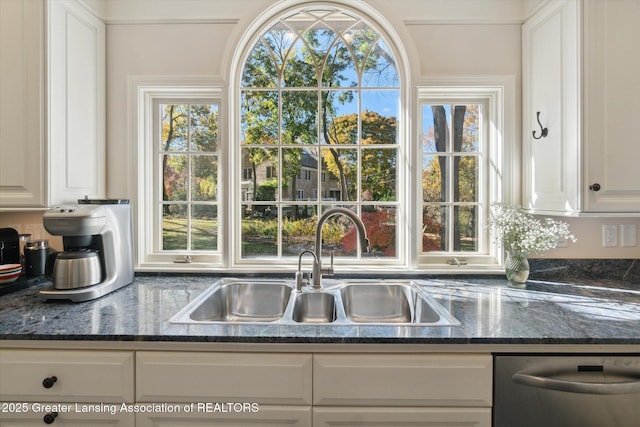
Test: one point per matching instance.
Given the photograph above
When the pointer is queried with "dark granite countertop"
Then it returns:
(588, 312)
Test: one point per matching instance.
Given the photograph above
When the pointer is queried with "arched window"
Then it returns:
(319, 99)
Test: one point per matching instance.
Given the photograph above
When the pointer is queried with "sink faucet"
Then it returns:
(318, 270)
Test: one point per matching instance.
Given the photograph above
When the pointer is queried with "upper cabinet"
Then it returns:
(611, 106)
(551, 101)
(52, 103)
(582, 79)
(76, 102)
(22, 95)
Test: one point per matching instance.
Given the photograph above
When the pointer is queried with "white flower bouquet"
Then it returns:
(521, 233)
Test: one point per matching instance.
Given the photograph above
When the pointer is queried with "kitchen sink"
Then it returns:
(347, 302)
(253, 301)
(314, 307)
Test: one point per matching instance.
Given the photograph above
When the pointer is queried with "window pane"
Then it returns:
(434, 230)
(379, 117)
(260, 68)
(340, 117)
(174, 227)
(204, 179)
(204, 128)
(204, 227)
(300, 68)
(339, 67)
(263, 184)
(435, 128)
(259, 230)
(466, 178)
(300, 174)
(174, 127)
(379, 168)
(380, 223)
(471, 129)
(336, 237)
(298, 229)
(299, 117)
(380, 68)
(174, 175)
(434, 178)
(343, 165)
(259, 117)
(465, 232)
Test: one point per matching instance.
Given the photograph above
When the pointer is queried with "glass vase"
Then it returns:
(517, 269)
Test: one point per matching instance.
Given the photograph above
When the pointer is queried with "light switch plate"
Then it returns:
(628, 234)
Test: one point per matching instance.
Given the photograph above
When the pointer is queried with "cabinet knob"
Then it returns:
(50, 417)
(49, 382)
(594, 187)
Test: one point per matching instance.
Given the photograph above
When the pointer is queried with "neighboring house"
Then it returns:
(306, 182)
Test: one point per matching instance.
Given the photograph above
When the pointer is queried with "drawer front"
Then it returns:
(442, 380)
(401, 417)
(263, 416)
(73, 376)
(42, 416)
(273, 379)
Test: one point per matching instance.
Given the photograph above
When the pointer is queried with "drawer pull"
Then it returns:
(49, 382)
(50, 417)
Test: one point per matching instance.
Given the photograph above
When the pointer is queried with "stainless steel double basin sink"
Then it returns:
(352, 302)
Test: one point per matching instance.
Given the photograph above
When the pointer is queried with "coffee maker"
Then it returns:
(97, 236)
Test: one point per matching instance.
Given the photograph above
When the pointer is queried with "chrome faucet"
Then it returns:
(318, 270)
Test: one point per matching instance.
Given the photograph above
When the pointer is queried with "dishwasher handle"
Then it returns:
(550, 383)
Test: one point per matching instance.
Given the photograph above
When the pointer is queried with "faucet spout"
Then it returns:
(318, 271)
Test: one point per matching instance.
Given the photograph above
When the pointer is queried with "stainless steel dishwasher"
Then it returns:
(566, 391)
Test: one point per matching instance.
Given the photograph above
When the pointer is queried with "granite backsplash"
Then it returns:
(626, 270)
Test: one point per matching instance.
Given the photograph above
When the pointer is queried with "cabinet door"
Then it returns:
(22, 117)
(402, 380)
(76, 104)
(71, 376)
(401, 417)
(550, 75)
(612, 107)
(262, 416)
(265, 378)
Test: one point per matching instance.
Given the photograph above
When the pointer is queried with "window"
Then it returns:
(321, 119)
(459, 149)
(320, 92)
(188, 157)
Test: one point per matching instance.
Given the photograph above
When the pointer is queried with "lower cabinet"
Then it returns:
(397, 390)
(187, 389)
(258, 389)
(66, 387)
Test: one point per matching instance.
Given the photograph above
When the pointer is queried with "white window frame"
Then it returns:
(144, 94)
(501, 181)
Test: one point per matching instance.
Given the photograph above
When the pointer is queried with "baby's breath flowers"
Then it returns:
(521, 233)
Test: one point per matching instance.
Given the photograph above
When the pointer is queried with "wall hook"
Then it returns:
(543, 131)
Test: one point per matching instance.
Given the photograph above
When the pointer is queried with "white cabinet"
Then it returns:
(611, 106)
(580, 73)
(397, 390)
(76, 103)
(550, 74)
(69, 387)
(22, 98)
(262, 389)
(52, 103)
